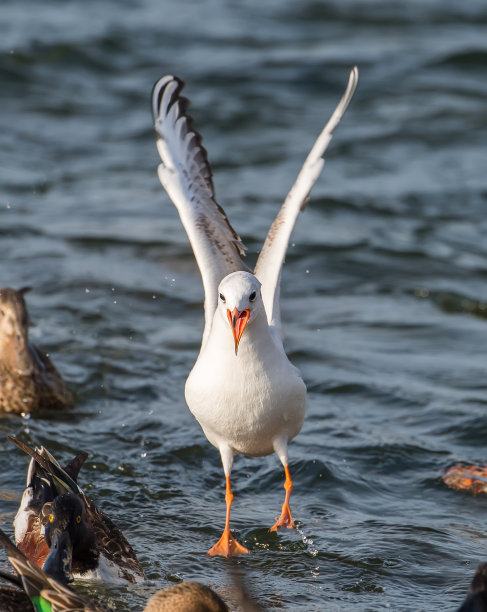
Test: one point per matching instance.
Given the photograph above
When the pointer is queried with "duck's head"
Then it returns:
(14, 319)
(239, 302)
(69, 534)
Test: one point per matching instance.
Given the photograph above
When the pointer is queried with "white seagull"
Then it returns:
(243, 390)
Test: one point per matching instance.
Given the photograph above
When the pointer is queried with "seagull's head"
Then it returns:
(239, 302)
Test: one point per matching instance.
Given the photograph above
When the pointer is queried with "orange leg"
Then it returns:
(227, 545)
(285, 520)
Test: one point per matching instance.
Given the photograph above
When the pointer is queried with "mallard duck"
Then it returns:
(46, 594)
(60, 529)
(29, 381)
(13, 599)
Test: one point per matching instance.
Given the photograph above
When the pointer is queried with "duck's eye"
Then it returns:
(252, 296)
(222, 298)
(78, 519)
(51, 518)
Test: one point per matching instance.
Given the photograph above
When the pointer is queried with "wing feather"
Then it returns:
(186, 175)
(269, 263)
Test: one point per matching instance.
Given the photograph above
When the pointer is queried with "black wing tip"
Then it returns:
(182, 103)
(160, 108)
(19, 444)
(159, 89)
(69, 476)
(74, 466)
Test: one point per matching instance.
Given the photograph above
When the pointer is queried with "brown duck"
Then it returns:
(61, 530)
(29, 381)
(46, 593)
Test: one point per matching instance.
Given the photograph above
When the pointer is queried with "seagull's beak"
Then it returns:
(238, 321)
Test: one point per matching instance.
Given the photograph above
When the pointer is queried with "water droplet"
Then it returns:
(143, 454)
(422, 292)
(307, 271)
(87, 290)
(114, 301)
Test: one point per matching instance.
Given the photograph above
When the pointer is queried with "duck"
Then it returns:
(29, 381)
(62, 531)
(13, 598)
(476, 600)
(243, 390)
(37, 590)
(471, 478)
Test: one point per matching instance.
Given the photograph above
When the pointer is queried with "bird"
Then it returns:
(29, 381)
(61, 530)
(44, 593)
(476, 600)
(246, 395)
(471, 478)
(13, 598)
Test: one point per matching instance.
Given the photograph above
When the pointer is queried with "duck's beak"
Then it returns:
(59, 561)
(238, 321)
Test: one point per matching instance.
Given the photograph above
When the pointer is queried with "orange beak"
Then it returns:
(238, 321)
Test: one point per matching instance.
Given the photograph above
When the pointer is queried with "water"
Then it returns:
(384, 292)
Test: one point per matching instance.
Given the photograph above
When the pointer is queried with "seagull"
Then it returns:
(243, 390)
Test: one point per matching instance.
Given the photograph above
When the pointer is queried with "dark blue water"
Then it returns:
(384, 292)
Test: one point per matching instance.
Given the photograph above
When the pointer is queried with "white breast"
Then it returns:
(246, 400)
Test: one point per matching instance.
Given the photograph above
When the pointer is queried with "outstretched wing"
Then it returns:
(185, 174)
(269, 263)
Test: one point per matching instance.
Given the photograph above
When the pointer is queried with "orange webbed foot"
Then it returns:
(285, 520)
(227, 546)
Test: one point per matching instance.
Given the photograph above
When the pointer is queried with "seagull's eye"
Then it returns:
(222, 298)
(252, 296)
(78, 519)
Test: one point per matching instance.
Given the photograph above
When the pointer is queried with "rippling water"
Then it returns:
(384, 291)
